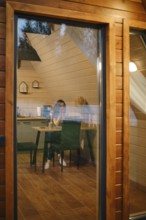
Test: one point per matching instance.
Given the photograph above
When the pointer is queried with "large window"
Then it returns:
(137, 164)
(59, 60)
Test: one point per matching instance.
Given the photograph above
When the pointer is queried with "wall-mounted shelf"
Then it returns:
(35, 84)
(23, 87)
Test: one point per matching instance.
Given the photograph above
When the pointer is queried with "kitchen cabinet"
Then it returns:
(25, 132)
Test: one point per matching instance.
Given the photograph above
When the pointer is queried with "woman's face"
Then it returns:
(62, 107)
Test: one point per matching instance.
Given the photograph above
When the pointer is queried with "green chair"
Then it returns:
(30, 147)
(70, 139)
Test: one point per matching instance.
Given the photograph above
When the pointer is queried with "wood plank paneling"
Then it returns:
(68, 71)
(119, 43)
(2, 46)
(119, 30)
(119, 82)
(2, 149)
(2, 63)
(2, 193)
(119, 177)
(119, 164)
(119, 123)
(40, 2)
(2, 111)
(119, 110)
(118, 5)
(2, 30)
(118, 215)
(2, 175)
(119, 137)
(2, 209)
(119, 152)
(118, 15)
(2, 127)
(2, 15)
(119, 96)
(119, 54)
(118, 202)
(118, 190)
(2, 79)
(119, 69)
(2, 161)
(2, 95)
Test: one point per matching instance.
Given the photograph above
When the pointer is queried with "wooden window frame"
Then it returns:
(126, 101)
(22, 8)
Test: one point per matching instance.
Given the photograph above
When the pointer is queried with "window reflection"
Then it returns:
(137, 124)
(68, 68)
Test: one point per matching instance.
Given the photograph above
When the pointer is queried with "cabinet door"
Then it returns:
(19, 131)
(27, 132)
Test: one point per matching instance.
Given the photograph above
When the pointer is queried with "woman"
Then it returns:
(57, 118)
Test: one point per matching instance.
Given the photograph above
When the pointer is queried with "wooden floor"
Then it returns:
(137, 199)
(70, 195)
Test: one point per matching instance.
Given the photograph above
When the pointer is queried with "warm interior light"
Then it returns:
(132, 67)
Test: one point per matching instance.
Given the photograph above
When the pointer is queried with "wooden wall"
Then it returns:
(27, 103)
(66, 70)
(118, 10)
(138, 149)
(2, 108)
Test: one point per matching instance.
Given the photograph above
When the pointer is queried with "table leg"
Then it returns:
(45, 151)
(90, 146)
(37, 143)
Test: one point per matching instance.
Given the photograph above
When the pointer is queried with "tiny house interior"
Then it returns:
(66, 70)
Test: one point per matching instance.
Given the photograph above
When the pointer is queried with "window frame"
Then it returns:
(15, 7)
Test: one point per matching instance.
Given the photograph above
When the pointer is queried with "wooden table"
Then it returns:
(46, 129)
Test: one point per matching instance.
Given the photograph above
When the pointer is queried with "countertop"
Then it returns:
(26, 118)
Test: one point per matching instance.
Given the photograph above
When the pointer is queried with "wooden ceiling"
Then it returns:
(138, 52)
(68, 63)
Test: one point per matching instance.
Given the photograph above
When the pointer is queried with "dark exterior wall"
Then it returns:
(2, 108)
(116, 9)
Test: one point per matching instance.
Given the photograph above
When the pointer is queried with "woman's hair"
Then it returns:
(81, 101)
(60, 101)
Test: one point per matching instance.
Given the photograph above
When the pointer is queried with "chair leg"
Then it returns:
(31, 158)
(78, 158)
(62, 157)
(45, 152)
(53, 159)
(70, 158)
(35, 160)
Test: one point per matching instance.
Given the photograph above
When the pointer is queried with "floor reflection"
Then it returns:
(56, 195)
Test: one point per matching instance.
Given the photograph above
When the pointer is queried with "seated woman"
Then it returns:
(59, 111)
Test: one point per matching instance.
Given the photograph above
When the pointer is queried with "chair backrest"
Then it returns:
(70, 135)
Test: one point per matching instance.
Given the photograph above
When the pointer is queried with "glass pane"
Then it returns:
(59, 66)
(137, 123)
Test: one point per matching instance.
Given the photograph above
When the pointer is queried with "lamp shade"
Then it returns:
(132, 67)
(28, 53)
